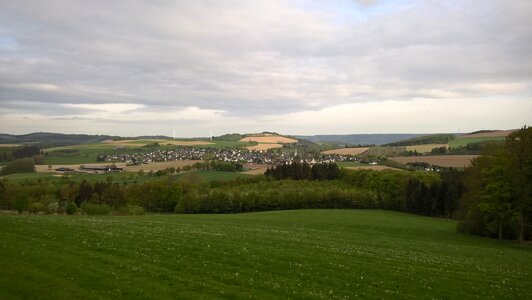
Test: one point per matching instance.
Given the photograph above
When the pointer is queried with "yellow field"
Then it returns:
(156, 166)
(9, 145)
(498, 133)
(270, 139)
(424, 148)
(263, 147)
(346, 151)
(456, 161)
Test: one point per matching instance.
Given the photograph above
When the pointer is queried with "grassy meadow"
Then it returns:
(462, 142)
(308, 254)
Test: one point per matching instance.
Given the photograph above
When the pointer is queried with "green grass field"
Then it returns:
(459, 142)
(305, 254)
(346, 164)
(121, 177)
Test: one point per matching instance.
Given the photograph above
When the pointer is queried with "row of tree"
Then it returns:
(498, 200)
(302, 170)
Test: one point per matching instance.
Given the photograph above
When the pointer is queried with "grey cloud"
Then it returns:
(254, 57)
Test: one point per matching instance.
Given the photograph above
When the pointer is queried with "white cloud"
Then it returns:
(108, 107)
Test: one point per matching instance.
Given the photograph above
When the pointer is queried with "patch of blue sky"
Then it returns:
(352, 11)
(7, 43)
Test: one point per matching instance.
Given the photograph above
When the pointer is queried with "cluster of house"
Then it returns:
(227, 155)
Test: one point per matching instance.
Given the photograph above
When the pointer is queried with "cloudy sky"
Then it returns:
(291, 66)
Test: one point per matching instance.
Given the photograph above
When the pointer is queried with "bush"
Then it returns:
(135, 210)
(95, 209)
(37, 207)
(24, 165)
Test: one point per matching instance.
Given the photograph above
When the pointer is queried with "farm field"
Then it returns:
(496, 133)
(256, 169)
(296, 254)
(424, 148)
(124, 177)
(156, 166)
(269, 139)
(463, 141)
(385, 151)
(346, 151)
(456, 161)
(372, 167)
(264, 147)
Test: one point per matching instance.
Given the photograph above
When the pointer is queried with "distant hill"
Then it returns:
(48, 139)
(443, 138)
(360, 139)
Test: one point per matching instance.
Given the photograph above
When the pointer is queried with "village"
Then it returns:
(226, 155)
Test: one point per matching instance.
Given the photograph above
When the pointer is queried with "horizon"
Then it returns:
(295, 67)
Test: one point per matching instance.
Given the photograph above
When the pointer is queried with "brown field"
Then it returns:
(256, 169)
(9, 145)
(346, 151)
(377, 168)
(457, 161)
(263, 147)
(136, 143)
(156, 166)
(424, 148)
(44, 168)
(497, 133)
(271, 139)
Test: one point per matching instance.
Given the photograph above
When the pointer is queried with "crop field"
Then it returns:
(385, 151)
(269, 139)
(255, 169)
(286, 254)
(456, 161)
(346, 151)
(463, 141)
(424, 148)
(263, 147)
(496, 133)
(156, 166)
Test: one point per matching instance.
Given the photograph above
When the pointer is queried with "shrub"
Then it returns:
(37, 207)
(135, 210)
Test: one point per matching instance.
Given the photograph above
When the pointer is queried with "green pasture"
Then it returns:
(348, 164)
(462, 142)
(305, 254)
(121, 177)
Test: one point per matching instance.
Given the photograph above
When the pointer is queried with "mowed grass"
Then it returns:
(305, 254)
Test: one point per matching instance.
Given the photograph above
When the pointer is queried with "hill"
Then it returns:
(358, 139)
(443, 138)
(298, 254)
(48, 139)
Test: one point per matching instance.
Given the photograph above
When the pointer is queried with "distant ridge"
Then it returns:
(360, 139)
(61, 139)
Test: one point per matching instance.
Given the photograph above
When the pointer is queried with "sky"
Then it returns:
(135, 68)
